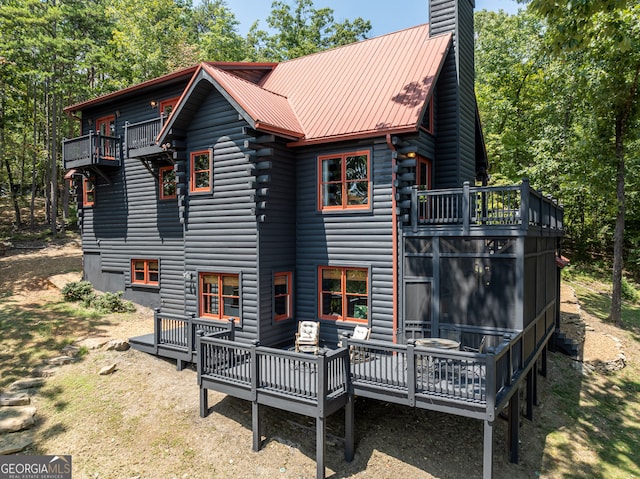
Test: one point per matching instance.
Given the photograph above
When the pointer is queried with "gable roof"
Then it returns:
(365, 89)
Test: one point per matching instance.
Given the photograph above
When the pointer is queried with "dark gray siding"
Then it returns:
(221, 231)
(277, 243)
(359, 239)
(129, 221)
(455, 118)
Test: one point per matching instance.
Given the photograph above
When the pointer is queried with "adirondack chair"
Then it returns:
(308, 337)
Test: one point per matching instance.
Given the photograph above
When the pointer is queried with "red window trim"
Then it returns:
(422, 162)
(161, 173)
(146, 272)
(288, 295)
(172, 102)
(192, 172)
(343, 317)
(85, 192)
(428, 114)
(220, 297)
(345, 205)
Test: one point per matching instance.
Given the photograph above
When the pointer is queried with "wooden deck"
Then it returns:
(471, 384)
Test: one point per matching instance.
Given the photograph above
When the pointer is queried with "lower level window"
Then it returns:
(219, 295)
(282, 299)
(88, 192)
(344, 294)
(145, 271)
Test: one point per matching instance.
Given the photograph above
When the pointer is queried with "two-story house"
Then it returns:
(239, 199)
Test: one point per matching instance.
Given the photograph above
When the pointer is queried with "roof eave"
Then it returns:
(354, 136)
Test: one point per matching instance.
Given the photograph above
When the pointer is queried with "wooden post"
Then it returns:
(530, 392)
(156, 330)
(487, 451)
(466, 208)
(204, 401)
(320, 446)
(255, 425)
(411, 372)
(514, 426)
(525, 195)
(255, 407)
(349, 429)
(414, 210)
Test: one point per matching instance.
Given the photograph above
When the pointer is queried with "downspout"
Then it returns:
(394, 239)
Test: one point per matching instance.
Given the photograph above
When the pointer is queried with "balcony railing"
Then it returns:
(91, 150)
(140, 138)
(515, 207)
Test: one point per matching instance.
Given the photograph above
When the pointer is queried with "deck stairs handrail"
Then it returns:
(518, 207)
(178, 332)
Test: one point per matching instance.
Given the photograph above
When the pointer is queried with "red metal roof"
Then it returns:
(363, 89)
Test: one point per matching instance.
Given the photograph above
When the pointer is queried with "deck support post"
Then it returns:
(543, 357)
(255, 425)
(320, 446)
(487, 451)
(204, 402)
(349, 423)
(514, 427)
(531, 392)
(179, 364)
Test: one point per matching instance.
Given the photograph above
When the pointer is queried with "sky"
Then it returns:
(385, 16)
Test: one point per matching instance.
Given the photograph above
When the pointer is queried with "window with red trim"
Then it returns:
(427, 120)
(282, 297)
(88, 192)
(219, 295)
(145, 271)
(201, 170)
(167, 181)
(344, 294)
(106, 126)
(423, 173)
(344, 181)
(167, 106)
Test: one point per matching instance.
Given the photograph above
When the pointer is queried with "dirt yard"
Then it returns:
(142, 421)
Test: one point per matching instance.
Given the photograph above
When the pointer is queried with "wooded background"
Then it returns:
(557, 87)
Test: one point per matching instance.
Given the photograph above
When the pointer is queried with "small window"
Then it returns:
(344, 181)
(167, 106)
(344, 294)
(145, 271)
(88, 192)
(201, 170)
(423, 173)
(167, 181)
(219, 296)
(282, 297)
(427, 120)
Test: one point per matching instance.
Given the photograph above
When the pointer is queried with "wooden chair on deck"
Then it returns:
(308, 337)
(360, 333)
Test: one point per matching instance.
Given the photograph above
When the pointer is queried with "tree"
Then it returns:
(302, 32)
(607, 35)
(216, 33)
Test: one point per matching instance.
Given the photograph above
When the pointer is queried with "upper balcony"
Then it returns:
(140, 138)
(92, 149)
(478, 211)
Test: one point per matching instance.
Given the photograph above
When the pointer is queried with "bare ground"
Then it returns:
(142, 421)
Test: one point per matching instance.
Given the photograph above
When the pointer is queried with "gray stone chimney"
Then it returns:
(455, 95)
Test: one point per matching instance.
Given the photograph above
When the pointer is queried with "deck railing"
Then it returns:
(179, 332)
(142, 134)
(91, 149)
(469, 207)
(297, 376)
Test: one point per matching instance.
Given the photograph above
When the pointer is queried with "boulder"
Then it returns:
(18, 418)
(26, 383)
(18, 398)
(108, 370)
(16, 442)
(117, 345)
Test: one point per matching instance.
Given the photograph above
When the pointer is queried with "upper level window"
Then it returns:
(106, 126)
(145, 271)
(344, 181)
(167, 181)
(219, 295)
(201, 171)
(88, 192)
(423, 173)
(282, 297)
(344, 294)
(167, 106)
(427, 120)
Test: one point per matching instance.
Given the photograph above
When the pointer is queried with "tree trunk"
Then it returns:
(618, 238)
(35, 156)
(7, 164)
